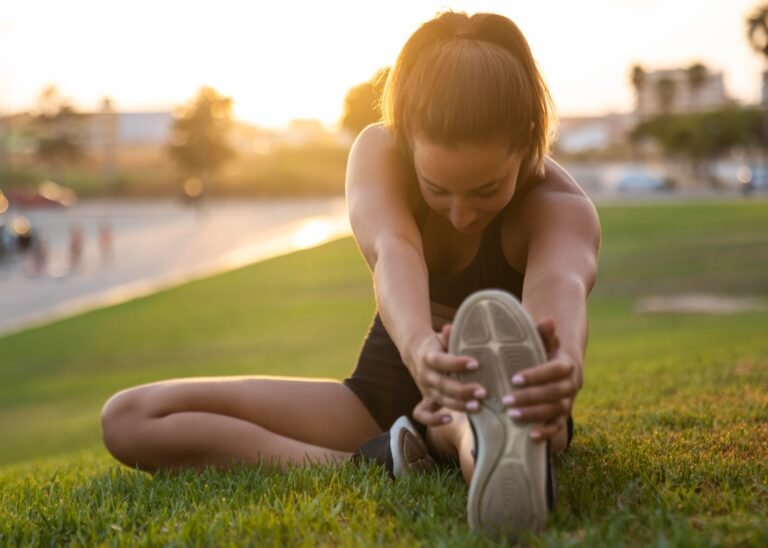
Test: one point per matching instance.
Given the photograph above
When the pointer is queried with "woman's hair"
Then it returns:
(470, 79)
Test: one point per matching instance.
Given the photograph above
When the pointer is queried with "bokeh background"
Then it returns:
(93, 95)
(148, 144)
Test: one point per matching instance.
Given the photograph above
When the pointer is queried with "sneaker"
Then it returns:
(400, 451)
(509, 492)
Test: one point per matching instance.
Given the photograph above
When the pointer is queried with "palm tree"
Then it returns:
(757, 30)
(697, 77)
(665, 93)
(757, 34)
(637, 76)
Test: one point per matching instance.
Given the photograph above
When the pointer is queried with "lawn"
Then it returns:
(671, 443)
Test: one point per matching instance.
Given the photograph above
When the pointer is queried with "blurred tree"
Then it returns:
(200, 135)
(757, 35)
(701, 137)
(57, 127)
(362, 103)
(109, 142)
(665, 93)
(637, 76)
(757, 30)
(697, 77)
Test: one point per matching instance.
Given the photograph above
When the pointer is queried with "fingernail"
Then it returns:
(508, 400)
(480, 393)
(515, 413)
(472, 405)
(472, 364)
(446, 419)
(518, 380)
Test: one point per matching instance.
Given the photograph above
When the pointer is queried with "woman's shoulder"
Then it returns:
(376, 142)
(377, 163)
(553, 189)
(554, 196)
(556, 180)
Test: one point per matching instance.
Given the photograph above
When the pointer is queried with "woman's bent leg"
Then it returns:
(194, 423)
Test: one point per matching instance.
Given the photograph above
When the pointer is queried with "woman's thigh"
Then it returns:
(319, 412)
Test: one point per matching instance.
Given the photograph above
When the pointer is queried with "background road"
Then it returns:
(153, 245)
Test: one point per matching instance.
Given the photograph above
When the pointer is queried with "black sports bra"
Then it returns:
(489, 268)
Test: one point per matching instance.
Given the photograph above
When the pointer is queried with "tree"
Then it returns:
(200, 134)
(665, 93)
(362, 105)
(757, 35)
(57, 122)
(697, 77)
(702, 137)
(757, 30)
(637, 76)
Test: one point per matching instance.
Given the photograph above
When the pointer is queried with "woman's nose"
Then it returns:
(461, 216)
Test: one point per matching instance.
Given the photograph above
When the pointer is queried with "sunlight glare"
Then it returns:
(311, 233)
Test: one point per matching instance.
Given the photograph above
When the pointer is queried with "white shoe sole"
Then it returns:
(409, 451)
(508, 490)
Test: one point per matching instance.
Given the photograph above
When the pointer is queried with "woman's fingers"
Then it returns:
(444, 336)
(435, 381)
(547, 372)
(543, 412)
(430, 413)
(448, 363)
(548, 430)
(446, 389)
(546, 393)
(548, 336)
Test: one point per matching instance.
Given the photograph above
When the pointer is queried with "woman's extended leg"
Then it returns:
(455, 440)
(194, 423)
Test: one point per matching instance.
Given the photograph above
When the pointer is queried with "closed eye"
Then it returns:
(437, 191)
(486, 193)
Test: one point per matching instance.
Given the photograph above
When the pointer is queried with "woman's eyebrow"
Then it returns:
(481, 187)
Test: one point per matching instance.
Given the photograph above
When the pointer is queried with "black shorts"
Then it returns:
(383, 383)
(381, 380)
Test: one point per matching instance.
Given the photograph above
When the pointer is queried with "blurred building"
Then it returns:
(580, 134)
(105, 128)
(94, 130)
(678, 91)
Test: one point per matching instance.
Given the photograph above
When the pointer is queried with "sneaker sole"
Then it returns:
(507, 493)
(409, 451)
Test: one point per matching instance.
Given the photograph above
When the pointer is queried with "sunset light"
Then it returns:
(293, 59)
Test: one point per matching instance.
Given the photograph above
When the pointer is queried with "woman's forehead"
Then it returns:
(448, 166)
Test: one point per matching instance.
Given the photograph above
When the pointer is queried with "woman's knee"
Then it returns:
(121, 420)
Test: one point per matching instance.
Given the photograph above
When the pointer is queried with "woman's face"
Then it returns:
(466, 184)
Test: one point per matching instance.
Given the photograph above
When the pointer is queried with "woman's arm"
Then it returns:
(563, 233)
(381, 199)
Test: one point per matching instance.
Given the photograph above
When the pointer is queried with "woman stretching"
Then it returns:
(451, 195)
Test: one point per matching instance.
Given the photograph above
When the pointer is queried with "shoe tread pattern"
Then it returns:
(503, 498)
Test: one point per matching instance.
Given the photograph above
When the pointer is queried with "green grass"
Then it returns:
(671, 442)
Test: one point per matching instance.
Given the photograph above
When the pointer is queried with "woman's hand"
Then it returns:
(545, 393)
(542, 394)
(432, 365)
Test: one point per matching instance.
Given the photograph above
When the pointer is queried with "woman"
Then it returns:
(452, 194)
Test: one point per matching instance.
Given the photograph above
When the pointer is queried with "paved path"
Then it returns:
(161, 244)
(155, 245)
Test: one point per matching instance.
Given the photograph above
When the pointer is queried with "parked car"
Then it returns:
(641, 181)
(46, 193)
(753, 178)
(16, 234)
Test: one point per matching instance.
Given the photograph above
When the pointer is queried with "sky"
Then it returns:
(286, 59)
